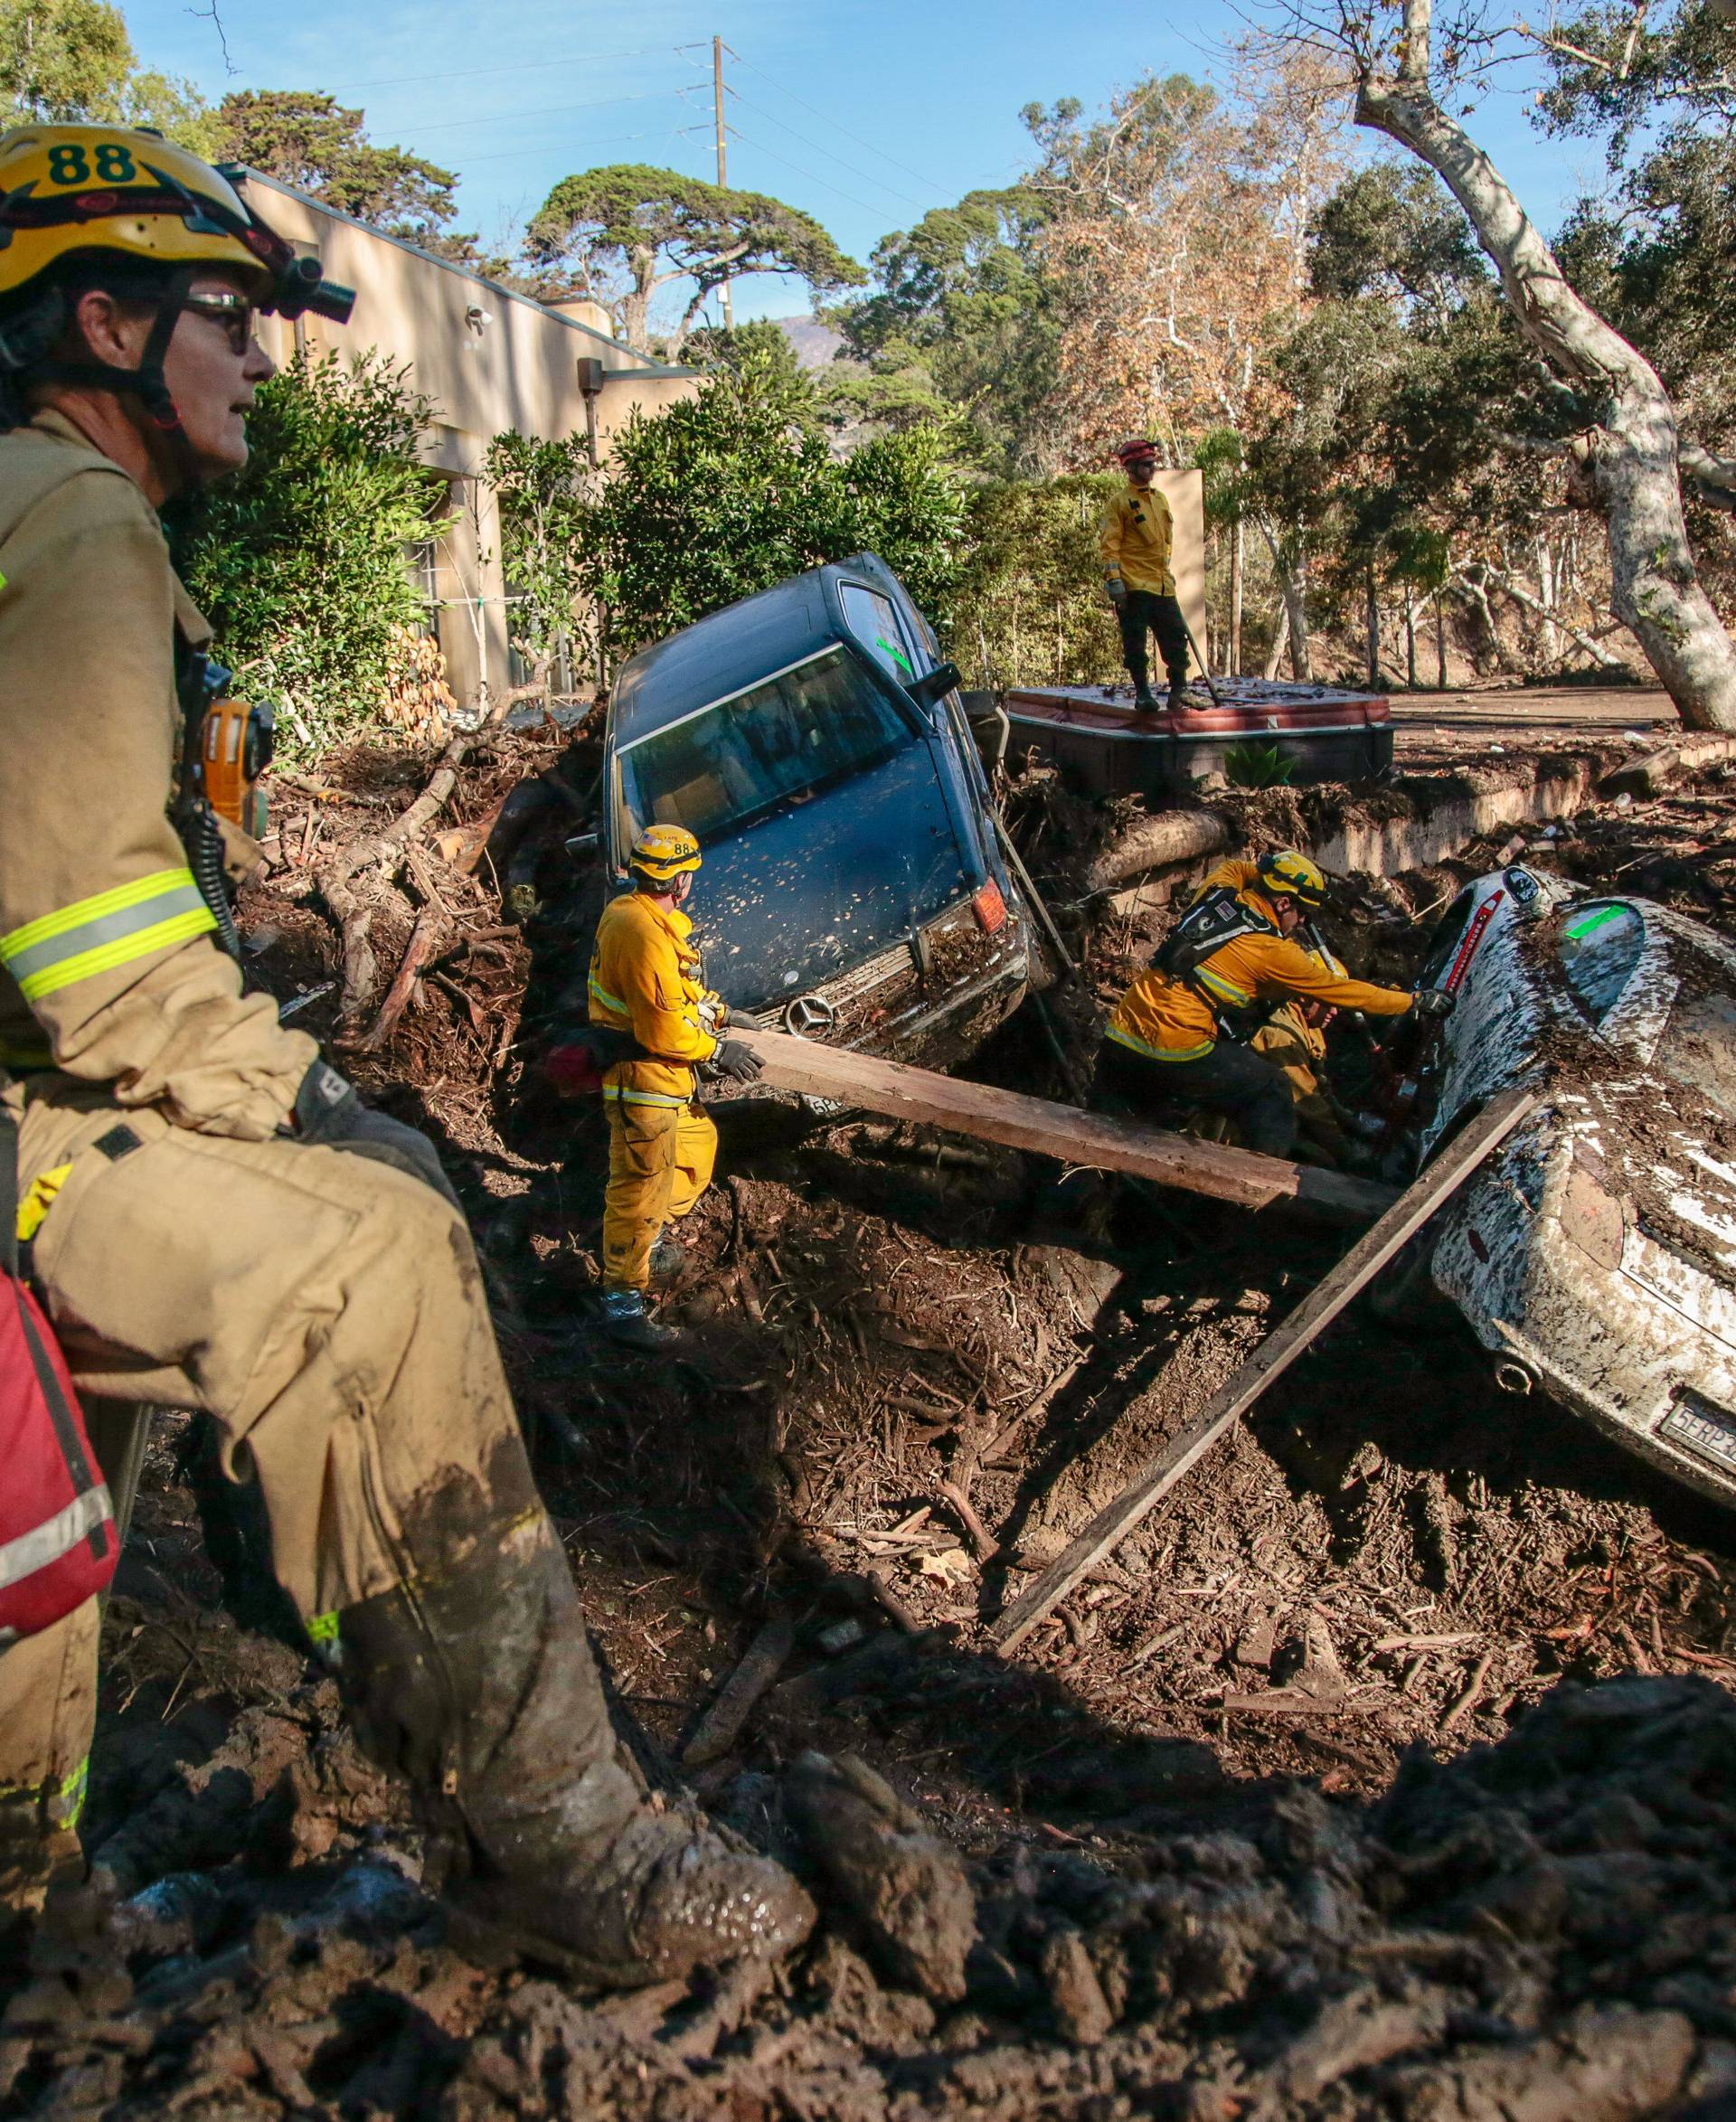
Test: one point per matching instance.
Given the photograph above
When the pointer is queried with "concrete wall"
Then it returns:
(490, 360)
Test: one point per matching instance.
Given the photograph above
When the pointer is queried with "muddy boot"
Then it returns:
(668, 1260)
(627, 1321)
(1178, 701)
(1144, 701)
(479, 1684)
(37, 1859)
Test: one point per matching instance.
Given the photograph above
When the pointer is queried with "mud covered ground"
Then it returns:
(1386, 1770)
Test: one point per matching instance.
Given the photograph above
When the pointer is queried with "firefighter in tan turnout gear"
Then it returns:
(216, 1222)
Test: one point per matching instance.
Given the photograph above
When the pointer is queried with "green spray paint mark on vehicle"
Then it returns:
(897, 655)
(1588, 922)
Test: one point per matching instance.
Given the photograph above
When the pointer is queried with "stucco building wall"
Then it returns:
(490, 360)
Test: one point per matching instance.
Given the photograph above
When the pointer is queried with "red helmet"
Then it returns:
(1139, 450)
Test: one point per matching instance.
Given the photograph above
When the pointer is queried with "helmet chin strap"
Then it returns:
(156, 416)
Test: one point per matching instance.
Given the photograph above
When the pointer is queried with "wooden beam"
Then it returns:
(1061, 1131)
(1274, 1355)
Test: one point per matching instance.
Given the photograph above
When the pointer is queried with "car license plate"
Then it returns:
(1702, 1427)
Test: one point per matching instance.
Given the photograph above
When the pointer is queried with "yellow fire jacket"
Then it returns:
(644, 979)
(107, 966)
(1136, 538)
(1171, 1020)
(1300, 1050)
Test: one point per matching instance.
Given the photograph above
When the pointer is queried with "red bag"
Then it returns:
(58, 1542)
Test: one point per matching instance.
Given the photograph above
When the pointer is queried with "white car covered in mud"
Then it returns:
(1595, 1254)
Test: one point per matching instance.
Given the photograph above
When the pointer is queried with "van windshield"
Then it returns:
(721, 771)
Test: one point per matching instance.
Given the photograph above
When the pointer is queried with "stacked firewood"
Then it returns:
(417, 698)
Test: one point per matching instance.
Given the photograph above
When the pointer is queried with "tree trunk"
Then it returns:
(1410, 638)
(1633, 457)
(1293, 583)
(1236, 544)
(1522, 596)
(1440, 639)
(1280, 642)
(1371, 621)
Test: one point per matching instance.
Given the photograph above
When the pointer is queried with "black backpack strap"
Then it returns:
(9, 1193)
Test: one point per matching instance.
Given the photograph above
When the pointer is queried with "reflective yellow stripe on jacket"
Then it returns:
(111, 929)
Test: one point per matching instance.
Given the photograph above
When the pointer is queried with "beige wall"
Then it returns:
(490, 360)
(1185, 494)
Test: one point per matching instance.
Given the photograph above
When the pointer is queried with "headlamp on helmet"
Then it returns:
(120, 208)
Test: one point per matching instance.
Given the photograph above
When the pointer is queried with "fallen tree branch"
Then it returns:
(386, 849)
(426, 939)
(1713, 478)
(1520, 594)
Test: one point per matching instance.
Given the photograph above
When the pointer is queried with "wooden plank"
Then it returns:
(1061, 1131)
(1274, 1355)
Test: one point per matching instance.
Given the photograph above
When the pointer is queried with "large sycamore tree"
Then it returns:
(624, 233)
(1410, 75)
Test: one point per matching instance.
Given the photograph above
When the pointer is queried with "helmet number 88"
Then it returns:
(69, 165)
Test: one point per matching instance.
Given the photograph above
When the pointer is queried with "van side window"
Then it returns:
(873, 620)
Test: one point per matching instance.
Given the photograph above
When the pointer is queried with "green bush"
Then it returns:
(541, 490)
(735, 488)
(299, 562)
(1030, 609)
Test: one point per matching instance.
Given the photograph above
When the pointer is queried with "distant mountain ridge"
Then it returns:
(816, 342)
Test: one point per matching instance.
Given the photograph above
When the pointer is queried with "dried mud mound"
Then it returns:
(1545, 1928)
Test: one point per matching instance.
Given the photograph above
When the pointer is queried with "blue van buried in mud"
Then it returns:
(853, 889)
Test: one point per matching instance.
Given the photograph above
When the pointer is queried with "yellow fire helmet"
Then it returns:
(662, 853)
(1282, 871)
(119, 206)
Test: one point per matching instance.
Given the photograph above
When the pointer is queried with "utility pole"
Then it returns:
(722, 158)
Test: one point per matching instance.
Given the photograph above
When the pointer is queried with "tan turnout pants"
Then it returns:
(660, 1161)
(325, 1309)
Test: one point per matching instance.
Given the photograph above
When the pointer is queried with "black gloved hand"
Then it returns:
(328, 1111)
(1116, 591)
(736, 1060)
(1433, 1003)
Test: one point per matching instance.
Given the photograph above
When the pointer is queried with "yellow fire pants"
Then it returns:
(325, 1309)
(660, 1161)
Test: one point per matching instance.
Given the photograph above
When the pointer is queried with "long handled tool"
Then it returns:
(1217, 698)
(1274, 1355)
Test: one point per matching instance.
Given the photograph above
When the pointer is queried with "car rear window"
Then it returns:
(719, 770)
(1600, 945)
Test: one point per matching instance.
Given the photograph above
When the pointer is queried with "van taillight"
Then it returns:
(990, 908)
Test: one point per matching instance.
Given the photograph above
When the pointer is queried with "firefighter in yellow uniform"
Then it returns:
(1294, 1040)
(1173, 1034)
(646, 986)
(1136, 540)
(215, 1219)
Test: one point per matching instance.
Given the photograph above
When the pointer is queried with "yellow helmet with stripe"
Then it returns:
(119, 207)
(1283, 872)
(662, 853)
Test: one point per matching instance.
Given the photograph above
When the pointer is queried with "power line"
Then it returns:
(614, 140)
(447, 124)
(867, 175)
(521, 66)
(928, 182)
(823, 182)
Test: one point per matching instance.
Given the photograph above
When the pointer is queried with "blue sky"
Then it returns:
(863, 112)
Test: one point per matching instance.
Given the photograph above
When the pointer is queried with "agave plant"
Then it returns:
(1258, 766)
